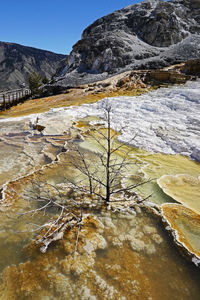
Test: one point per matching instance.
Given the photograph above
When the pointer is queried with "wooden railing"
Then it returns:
(10, 98)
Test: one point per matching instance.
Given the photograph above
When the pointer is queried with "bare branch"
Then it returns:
(102, 175)
(120, 146)
(130, 187)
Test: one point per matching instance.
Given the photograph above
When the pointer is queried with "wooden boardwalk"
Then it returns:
(10, 98)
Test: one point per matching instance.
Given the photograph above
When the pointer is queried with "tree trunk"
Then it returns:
(108, 162)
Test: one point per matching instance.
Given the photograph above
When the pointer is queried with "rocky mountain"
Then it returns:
(151, 34)
(17, 62)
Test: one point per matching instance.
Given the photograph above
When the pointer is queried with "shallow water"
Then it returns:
(24, 150)
(175, 185)
(151, 166)
(119, 255)
(186, 225)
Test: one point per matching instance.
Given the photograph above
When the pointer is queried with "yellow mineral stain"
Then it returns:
(186, 223)
(75, 97)
(63, 274)
(144, 165)
(158, 164)
(183, 188)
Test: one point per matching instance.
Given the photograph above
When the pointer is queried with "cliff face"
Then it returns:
(151, 34)
(17, 62)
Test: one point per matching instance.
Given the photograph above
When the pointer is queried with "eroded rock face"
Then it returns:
(151, 34)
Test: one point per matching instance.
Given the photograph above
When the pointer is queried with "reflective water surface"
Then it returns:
(120, 255)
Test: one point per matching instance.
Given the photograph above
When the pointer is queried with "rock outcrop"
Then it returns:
(17, 62)
(149, 35)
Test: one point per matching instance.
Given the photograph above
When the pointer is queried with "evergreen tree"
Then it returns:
(34, 82)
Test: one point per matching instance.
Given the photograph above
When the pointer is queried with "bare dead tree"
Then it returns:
(102, 173)
(106, 171)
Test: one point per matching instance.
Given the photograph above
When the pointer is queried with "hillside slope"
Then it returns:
(17, 62)
(151, 34)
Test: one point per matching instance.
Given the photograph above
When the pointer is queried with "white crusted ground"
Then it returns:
(166, 120)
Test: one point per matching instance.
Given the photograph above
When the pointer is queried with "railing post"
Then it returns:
(4, 101)
(15, 97)
(9, 103)
(11, 98)
(8, 97)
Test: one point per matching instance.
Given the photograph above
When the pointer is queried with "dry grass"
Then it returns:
(73, 98)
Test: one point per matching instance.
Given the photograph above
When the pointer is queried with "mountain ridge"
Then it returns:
(17, 62)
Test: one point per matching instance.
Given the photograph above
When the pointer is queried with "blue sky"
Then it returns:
(50, 24)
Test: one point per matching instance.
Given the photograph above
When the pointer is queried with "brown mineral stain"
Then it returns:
(122, 268)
